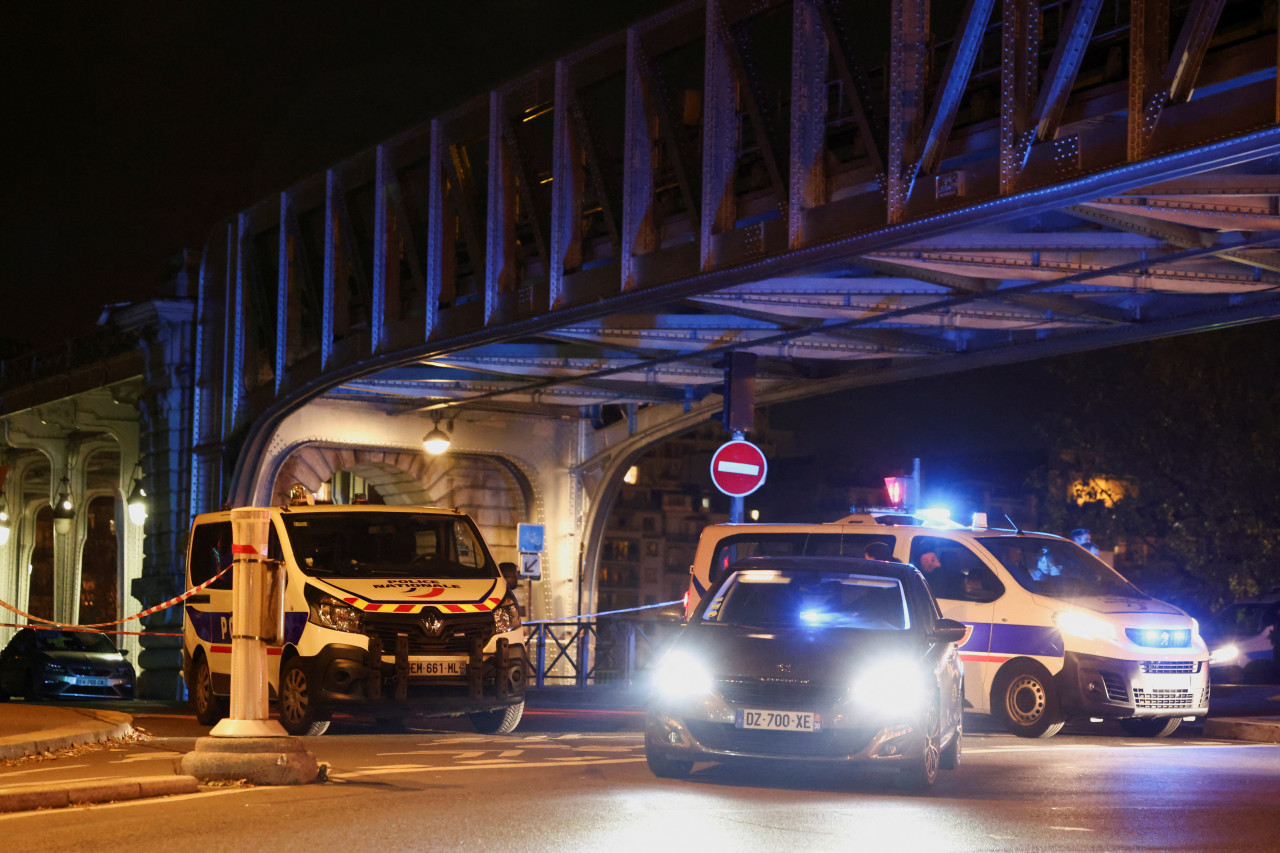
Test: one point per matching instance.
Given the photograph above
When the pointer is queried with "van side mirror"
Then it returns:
(949, 631)
(510, 574)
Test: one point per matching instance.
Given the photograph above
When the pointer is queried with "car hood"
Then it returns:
(1125, 604)
(793, 654)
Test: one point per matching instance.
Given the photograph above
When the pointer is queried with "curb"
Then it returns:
(1256, 729)
(61, 795)
(116, 725)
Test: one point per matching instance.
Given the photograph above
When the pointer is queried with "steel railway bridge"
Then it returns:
(857, 193)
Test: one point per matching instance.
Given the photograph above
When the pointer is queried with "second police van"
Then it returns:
(1055, 633)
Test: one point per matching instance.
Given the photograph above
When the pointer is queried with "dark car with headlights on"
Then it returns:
(820, 659)
(52, 663)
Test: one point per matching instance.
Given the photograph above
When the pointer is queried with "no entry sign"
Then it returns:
(738, 468)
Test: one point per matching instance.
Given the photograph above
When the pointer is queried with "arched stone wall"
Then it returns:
(483, 486)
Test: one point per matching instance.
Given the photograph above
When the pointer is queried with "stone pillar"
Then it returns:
(164, 409)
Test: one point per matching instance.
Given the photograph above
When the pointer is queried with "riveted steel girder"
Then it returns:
(1032, 226)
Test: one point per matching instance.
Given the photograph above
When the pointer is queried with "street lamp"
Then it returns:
(437, 441)
(137, 501)
(63, 510)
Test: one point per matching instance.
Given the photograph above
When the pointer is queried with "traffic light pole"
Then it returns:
(737, 504)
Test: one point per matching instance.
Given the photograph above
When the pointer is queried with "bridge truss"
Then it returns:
(854, 194)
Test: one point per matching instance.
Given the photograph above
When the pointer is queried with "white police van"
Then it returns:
(389, 612)
(1054, 634)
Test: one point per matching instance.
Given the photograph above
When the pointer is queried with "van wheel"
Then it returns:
(500, 722)
(667, 768)
(298, 712)
(1150, 726)
(1026, 700)
(209, 707)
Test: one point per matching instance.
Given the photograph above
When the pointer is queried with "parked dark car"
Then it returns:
(43, 663)
(819, 659)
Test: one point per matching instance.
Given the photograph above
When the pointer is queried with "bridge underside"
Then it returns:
(1017, 180)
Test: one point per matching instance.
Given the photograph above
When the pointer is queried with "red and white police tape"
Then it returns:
(161, 606)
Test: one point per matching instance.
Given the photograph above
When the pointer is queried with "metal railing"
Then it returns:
(26, 367)
(597, 651)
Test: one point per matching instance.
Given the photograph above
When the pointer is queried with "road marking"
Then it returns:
(510, 765)
(146, 756)
(1071, 828)
(8, 774)
(1084, 747)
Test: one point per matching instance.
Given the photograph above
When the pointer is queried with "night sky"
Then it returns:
(132, 129)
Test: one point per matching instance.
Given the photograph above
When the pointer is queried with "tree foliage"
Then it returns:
(1194, 423)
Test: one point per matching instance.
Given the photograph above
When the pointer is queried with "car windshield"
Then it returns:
(74, 641)
(387, 544)
(1057, 568)
(808, 599)
(1242, 620)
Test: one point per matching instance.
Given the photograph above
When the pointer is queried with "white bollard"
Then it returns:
(250, 632)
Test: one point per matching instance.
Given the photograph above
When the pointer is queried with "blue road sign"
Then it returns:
(530, 537)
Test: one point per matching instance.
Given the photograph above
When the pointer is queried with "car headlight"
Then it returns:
(506, 617)
(894, 687)
(1085, 626)
(681, 675)
(1224, 654)
(338, 615)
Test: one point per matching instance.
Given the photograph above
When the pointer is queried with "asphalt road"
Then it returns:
(570, 781)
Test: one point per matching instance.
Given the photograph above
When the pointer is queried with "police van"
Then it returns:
(389, 612)
(1054, 633)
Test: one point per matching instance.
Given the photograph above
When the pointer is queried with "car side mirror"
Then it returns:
(949, 630)
(510, 574)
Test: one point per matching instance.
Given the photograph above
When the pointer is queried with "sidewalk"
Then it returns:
(33, 729)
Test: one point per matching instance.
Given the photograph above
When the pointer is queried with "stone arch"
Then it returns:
(488, 487)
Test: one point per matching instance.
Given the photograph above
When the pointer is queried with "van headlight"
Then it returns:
(681, 675)
(506, 617)
(1223, 655)
(329, 612)
(1085, 626)
(893, 687)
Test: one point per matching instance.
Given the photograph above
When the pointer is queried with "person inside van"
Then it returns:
(879, 550)
(943, 580)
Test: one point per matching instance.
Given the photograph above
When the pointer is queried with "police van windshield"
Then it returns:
(1057, 568)
(387, 545)
(759, 598)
